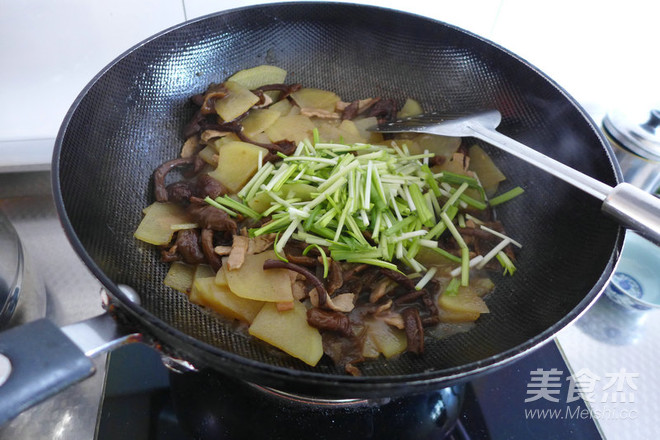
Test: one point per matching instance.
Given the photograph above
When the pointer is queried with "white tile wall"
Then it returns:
(603, 53)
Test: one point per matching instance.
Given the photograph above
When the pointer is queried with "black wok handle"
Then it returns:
(37, 360)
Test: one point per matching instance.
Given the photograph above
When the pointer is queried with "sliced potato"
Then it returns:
(250, 281)
(363, 125)
(288, 331)
(221, 300)
(156, 225)
(180, 277)
(209, 155)
(489, 174)
(237, 163)
(260, 202)
(444, 146)
(259, 76)
(450, 316)
(410, 108)
(294, 128)
(239, 100)
(283, 107)
(466, 301)
(312, 98)
(201, 271)
(345, 132)
(429, 257)
(481, 286)
(388, 340)
(457, 164)
(369, 348)
(259, 120)
(221, 276)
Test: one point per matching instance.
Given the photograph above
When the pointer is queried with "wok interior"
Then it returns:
(130, 120)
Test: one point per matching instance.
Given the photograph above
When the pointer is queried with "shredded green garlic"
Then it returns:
(364, 194)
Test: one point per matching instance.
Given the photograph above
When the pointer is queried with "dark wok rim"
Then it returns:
(269, 375)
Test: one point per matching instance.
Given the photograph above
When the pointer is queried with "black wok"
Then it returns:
(129, 120)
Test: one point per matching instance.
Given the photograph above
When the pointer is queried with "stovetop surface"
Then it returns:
(137, 401)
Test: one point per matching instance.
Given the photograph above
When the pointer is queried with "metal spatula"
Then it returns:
(632, 207)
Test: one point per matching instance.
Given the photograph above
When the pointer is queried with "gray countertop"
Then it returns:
(61, 288)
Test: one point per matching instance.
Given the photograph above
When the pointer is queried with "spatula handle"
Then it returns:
(635, 209)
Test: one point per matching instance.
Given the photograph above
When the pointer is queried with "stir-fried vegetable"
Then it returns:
(319, 235)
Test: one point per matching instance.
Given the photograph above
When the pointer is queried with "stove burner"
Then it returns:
(145, 401)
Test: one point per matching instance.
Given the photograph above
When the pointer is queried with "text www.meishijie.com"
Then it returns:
(580, 413)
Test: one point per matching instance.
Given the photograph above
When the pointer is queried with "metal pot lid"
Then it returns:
(636, 130)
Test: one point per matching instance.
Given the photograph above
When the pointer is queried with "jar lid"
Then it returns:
(636, 131)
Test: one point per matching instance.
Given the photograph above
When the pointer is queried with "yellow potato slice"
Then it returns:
(250, 281)
(465, 301)
(156, 225)
(489, 174)
(410, 108)
(258, 76)
(388, 340)
(238, 100)
(289, 331)
(259, 120)
(221, 276)
(237, 163)
(294, 128)
(450, 316)
(221, 300)
(312, 98)
(201, 271)
(180, 277)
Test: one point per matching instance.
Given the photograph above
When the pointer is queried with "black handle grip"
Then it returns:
(43, 361)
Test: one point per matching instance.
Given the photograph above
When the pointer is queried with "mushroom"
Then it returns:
(329, 320)
(160, 190)
(412, 324)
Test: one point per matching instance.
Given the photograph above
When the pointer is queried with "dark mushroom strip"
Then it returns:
(179, 192)
(169, 255)
(302, 260)
(351, 110)
(399, 278)
(383, 110)
(410, 297)
(436, 160)
(355, 270)
(188, 246)
(329, 320)
(430, 305)
(207, 247)
(160, 190)
(320, 289)
(208, 186)
(213, 93)
(209, 217)
(285, 147)
(412, 324)
(335, 278)
(284, 89)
